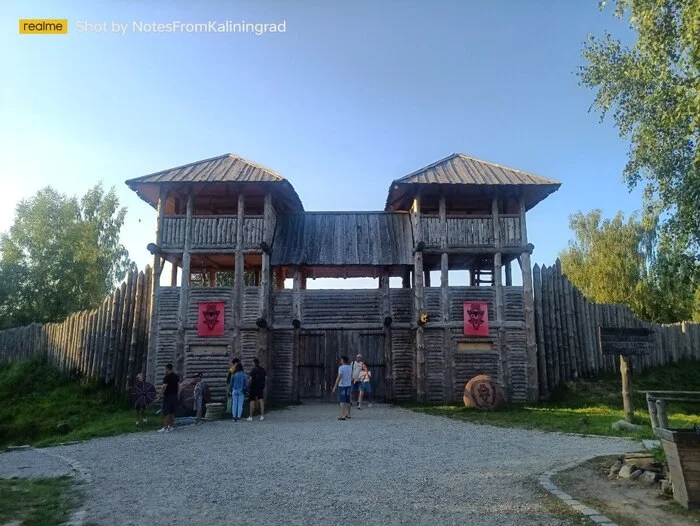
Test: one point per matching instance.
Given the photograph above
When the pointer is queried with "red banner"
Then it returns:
(476, 318)
(211, 319)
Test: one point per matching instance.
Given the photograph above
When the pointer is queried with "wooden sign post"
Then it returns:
(625, 342)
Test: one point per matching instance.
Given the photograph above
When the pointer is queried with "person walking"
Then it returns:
(256, 390)
(238, 386)
(198, 397)
(356, 370)
(168, 392)
(365, 385)
(343, 383)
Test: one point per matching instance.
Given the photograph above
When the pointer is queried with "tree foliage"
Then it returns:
(62, 254)
(630, 262)
(653, 91)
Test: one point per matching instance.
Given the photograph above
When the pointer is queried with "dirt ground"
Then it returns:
(624, 501)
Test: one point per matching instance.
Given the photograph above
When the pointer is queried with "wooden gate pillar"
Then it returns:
(500, 311)
(448, 357)
(418, 300)
(238, 277)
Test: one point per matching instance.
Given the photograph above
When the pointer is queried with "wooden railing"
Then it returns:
(470, 231)
(211, 232)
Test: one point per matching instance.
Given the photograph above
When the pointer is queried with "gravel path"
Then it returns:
(302, 466)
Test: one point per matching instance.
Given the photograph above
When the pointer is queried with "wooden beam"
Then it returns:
(173, 275)
(265, 271)
(184, 288)
(155, 291)
(528, 301)
(480, 250)
(418, 300)
(509, 273)
(406, 278)
(238, 277)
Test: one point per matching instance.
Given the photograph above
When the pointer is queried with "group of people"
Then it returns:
(254, 383)
(354, 382)
(238, 385)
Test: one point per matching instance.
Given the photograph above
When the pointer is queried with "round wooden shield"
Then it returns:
(482, 392)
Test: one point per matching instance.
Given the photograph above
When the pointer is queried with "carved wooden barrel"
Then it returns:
(482, 392)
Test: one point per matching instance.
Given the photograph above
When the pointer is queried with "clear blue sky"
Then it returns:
(350, 97)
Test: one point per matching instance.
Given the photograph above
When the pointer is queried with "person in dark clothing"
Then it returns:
(256, 389)
(168, 392)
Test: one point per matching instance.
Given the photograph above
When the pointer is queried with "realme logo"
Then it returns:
(43, 26)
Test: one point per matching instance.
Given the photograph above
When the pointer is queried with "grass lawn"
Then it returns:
(36, 398)
(591, 406)
(37, 502)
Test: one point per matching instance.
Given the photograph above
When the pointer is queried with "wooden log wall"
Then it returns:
(566, 324)
(470, 231)
(107, 344)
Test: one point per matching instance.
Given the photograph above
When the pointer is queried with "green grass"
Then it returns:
(37, 502)
(36, 398)
(591, 406)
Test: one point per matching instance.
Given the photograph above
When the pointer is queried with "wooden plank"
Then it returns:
(112, 342)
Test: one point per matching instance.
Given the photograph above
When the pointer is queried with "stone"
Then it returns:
(636, 474)
(625, 472)
(649, 477)
(621, 425)
(651, 444)
(666, 487)
(482, 392)
(63, 428)
(640, 460)
(615, 469)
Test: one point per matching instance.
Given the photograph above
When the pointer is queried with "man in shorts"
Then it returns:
(168, 391)
(343, 383)
(256, 389)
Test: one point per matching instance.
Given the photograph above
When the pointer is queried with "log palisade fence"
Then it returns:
(566, 325)
(107, 344)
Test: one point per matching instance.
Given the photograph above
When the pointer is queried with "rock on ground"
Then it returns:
(386, 466)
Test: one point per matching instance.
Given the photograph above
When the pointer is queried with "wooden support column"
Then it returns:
(265, 287)
(528, 301)
(406, 278)
(418, 301)
(238, 277)
(211, 278)
(385, 292)
(448, 355)
(426, 278)
(625, 367)
(265, 276)
(509, 274)
(184, 288)
(155, 292)
(173, 275)
(500, 308)
(296, 315)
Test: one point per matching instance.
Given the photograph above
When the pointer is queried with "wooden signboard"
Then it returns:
(625, 341)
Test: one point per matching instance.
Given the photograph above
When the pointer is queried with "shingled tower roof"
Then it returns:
(227, 168)
(465, 171)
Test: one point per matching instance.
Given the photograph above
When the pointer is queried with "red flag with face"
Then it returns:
(476, 318)
(211, 319)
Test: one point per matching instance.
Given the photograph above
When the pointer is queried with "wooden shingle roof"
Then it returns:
(466, 171)
(227, 168)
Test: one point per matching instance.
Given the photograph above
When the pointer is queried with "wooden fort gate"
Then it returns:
(319, 359)
(236, 234)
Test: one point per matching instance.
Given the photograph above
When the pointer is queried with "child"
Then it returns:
(198, 397)
(365, 385)
(238, 386)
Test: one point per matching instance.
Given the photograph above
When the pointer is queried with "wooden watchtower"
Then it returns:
(237, 230)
